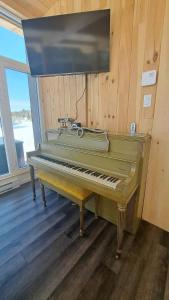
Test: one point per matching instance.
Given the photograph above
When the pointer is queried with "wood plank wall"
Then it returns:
(156, 208)
(114, 99)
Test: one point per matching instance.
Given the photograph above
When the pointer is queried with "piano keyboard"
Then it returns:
(96, 177)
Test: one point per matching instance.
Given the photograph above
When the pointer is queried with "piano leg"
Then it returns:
(81, 220)
(32, 175)
(43, 193)
(96, 202)
(120, 229)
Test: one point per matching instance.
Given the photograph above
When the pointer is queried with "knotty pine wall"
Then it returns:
(139, 42)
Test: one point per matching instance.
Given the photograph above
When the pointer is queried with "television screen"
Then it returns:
(68, 44)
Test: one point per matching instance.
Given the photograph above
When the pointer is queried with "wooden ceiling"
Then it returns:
(28, 8)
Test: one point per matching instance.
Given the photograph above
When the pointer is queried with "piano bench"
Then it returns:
(65, 188)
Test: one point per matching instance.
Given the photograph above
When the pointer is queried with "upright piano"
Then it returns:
(111, 165)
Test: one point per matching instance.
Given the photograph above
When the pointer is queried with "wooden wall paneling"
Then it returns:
(61, 96)
(73, 95)
(50, 105)
(43, 100)
(147, 29)
(93, 101)
(67, 95)
(137, 60)
(103, 95)
(80, 101)
(154, 27)
(109, 81)
(124, 59)
(156, 206)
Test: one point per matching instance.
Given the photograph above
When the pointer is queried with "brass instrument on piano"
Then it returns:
(109, 165)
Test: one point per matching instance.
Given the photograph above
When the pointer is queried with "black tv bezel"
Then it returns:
(73, 73)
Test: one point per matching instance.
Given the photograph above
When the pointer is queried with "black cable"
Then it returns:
(77, 101)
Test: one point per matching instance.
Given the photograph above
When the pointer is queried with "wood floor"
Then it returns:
(43, 257)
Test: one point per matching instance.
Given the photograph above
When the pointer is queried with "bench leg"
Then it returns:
(81, 220)
(43, 193)
(120, 229)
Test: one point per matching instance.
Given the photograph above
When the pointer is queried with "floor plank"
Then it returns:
(32, 225)
(152, 282)
(99, 286)
(42, 256)
(74, 282)
(51, 277)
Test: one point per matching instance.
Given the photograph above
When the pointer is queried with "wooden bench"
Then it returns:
(65, 188)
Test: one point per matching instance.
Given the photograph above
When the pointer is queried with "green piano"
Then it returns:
(113, 166)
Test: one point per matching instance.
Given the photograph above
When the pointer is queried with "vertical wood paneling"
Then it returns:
(156, 207)
(124, 59)
(154, 27)
(102, 88)
(137, 60)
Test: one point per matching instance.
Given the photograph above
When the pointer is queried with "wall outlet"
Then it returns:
(147, 100)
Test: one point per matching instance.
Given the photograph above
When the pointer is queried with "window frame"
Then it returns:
(9, 141)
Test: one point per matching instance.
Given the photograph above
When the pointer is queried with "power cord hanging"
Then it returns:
(78, 100)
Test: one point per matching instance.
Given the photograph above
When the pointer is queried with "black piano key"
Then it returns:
(77, 168)
(84, 170)
(116, 179)
(71, 166)
(88, 172)
(109, 179)
(95, 174)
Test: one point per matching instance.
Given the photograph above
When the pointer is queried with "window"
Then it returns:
(19, 119)
(20, 107)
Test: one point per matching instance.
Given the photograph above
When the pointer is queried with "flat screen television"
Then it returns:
(68, 44)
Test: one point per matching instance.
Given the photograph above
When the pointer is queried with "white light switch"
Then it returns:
(147, 100)
(149, 78)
